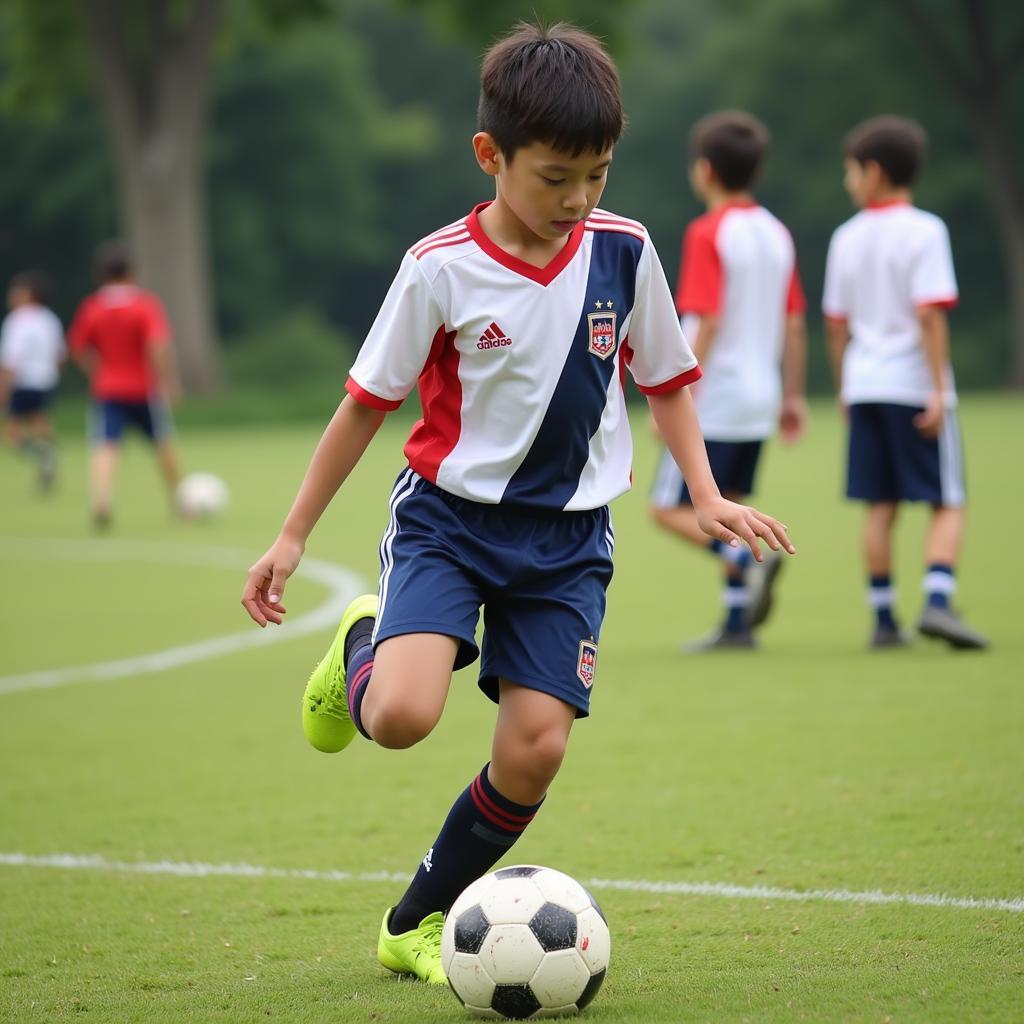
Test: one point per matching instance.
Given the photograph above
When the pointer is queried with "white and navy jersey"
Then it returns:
(521, 368)
(884, 264)
(32, 347)
(739, 264)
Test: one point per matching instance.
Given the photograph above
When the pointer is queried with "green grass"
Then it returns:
(812, 765)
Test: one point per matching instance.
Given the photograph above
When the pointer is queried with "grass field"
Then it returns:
(811, 767)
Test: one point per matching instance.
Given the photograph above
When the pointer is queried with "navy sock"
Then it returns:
(358, 669)
(738, 556)
(736, 598)
(880, 597)
(479, 829)
(939, 584)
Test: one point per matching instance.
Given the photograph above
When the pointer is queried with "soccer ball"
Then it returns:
(525, 942)
(202, 495)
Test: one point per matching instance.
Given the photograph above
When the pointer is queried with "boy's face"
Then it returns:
(17, 296)
(548, 191)
(863, 182)
(702, 177)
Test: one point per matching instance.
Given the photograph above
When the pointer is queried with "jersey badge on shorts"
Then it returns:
(587, 662)
(602, 329)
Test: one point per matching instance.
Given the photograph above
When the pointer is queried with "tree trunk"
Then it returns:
(155, 96)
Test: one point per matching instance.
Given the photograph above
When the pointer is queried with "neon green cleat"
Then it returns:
(415, 952)
(325, 717)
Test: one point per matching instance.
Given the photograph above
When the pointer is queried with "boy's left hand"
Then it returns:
(732, 523)
(793, 418)
(929, 420)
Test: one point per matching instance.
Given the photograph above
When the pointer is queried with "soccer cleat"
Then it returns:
(945, 624)
(760, 578)
(325, 718)
(721, 639)
(416, 952)
(888, 637)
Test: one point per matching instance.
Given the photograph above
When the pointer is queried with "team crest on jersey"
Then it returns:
(587, 662)
(602, 331)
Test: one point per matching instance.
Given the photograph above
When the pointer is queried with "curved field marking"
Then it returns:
(342, 585)
(199, 869)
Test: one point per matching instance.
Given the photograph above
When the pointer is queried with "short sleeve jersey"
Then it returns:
(32, 347)
(739, 264)
(883, 264)
(521, 369)
(121, 323)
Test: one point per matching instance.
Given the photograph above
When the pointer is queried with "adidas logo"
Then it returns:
(493, 337)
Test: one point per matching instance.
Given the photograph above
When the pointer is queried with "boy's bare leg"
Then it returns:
(682, 521)
(408, 688)
(878, 524)
(40, 428)
(945, 535)
(529, 742)
(170, 467)
(102, 469)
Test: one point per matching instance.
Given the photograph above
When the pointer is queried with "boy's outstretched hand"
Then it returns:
(264, 586)
(732, 524)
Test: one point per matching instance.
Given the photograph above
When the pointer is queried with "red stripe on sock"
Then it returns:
(361, 678)
(490, 810)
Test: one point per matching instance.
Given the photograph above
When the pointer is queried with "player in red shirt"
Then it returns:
(121, 340)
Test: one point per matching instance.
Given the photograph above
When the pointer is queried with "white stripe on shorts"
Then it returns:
(951, 462)
(668, 483)
(403, 488)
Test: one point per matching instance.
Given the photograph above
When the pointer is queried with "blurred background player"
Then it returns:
(121, 340)
(742, 309)
(888, 283)
(31, 353)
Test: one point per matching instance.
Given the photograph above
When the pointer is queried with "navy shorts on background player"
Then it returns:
(108, 419)
(733, 465)
(25, 401)
(541, 579)
(890, 460)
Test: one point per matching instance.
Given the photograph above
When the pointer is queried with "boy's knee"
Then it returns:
(396, 724)
(659, 515)
(539, 757)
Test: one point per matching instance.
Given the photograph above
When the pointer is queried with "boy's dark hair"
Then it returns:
(897, 144)
(35, 282)
(554, 85)
(733, 143)
(112, 262)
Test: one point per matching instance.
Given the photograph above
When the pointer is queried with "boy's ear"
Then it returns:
(486, 150)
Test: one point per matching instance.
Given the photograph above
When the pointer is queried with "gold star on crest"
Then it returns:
(599, 304)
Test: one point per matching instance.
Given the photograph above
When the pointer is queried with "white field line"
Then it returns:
(198, 869)
(341, 584)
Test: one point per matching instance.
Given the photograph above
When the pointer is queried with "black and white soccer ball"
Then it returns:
(525, 942)
(202, 496)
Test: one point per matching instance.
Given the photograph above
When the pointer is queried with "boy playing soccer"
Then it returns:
(888, 284)
(121, 340)
(516, 323)
(31, 353)
(741, 303)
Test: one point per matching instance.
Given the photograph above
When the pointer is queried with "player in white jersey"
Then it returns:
(517, 324)
(32, 351)
(889, 282)
(742, 304)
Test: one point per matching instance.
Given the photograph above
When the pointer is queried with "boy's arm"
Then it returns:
(342, 445)
(935, 341)
(6, 382)
(837, 337)
(724, 520)
(706, 334)
(166, 368)
(793, 419)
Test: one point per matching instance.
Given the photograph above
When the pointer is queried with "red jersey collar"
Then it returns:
(542, 275)
(885, 204)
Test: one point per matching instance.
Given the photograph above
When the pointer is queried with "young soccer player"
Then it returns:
(121, 340)
(888, 284)
(742, 305)
(31, 353)
(517, 323)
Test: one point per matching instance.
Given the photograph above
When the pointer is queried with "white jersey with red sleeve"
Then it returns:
(520, 369)
(739, 264)
(884, 264)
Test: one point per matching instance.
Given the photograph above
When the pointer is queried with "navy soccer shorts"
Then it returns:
(27, 401)
(733, 465)
(108, 419)
(540, 577)
(890, 461)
